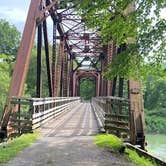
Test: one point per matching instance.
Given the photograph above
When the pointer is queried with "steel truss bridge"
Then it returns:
(76, 53)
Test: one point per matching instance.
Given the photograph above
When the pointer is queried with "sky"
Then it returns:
(15, 11)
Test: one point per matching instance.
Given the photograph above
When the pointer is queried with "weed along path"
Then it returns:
(69, 141)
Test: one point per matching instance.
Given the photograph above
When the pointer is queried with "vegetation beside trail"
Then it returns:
(12, 148)
(155, 103)
(115, 144)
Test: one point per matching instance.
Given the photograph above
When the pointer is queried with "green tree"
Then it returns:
(87, 89)
(154, 95)
(32, 73)
(9, 38)
(4, 79)
(141, 28)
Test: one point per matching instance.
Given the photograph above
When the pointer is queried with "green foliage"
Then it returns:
(31, 77)
(9, 38)
(155, 103)
(11, 149)
(141, 28)
(155, 92)
(87, 89)
(108, 140)
(141, 161)
(115, 144)
(4, 79)
(155, 121)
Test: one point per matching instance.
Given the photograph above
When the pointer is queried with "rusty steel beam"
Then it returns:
(62, 71)
(121, 83)
(65, 72)
(46, 12)
(22, 61)
(68, 76)
(39, 63)
(46, 43)
(54, 57)
(137, 124)
(71, 74)
(59, 67)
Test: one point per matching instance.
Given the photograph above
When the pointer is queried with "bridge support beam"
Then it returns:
(136, 113)
(59, 69)
(39, 62)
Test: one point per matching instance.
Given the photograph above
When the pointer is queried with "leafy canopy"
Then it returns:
(4, 79)
(136, 23)
(9, 38)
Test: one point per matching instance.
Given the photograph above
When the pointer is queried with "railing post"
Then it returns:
(19, 118)
(31, 113)
(107, 111)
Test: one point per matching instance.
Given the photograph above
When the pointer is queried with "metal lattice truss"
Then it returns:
(84, 44)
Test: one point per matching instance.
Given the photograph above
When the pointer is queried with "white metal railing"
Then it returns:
(31, 113)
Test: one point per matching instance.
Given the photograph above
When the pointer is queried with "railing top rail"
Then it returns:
(44, 98)
(39, 101)
(112, 98)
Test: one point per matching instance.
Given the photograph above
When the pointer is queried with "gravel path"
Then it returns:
(68, 141)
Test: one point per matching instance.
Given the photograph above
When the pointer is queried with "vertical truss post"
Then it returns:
(104, 65)
(39, 62)
(110, 54)
(47, 57)
(114, 86)
(65, 72)
(71, 84)
(136, 113)
(71, 78)
(61, 77)
(120, 94)
(78, 86)
(98, 85)
(121, 82)
(74, 83)
(103, 82)
(59, 68)
(54, 57)
(68, 77)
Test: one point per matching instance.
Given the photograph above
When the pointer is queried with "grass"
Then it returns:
(115, 144)
(142, 161)
(12, 148)
(109, 141)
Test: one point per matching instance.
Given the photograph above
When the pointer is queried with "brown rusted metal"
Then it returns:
(65, 78)
(54, 56)
(59, 68)
(82, 73)
(39, 62)
(46, 43)
(136, 113)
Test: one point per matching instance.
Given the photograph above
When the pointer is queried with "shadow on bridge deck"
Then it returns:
(80, 121)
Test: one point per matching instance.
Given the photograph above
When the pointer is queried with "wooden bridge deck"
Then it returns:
(80, 121)
(68, 141)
